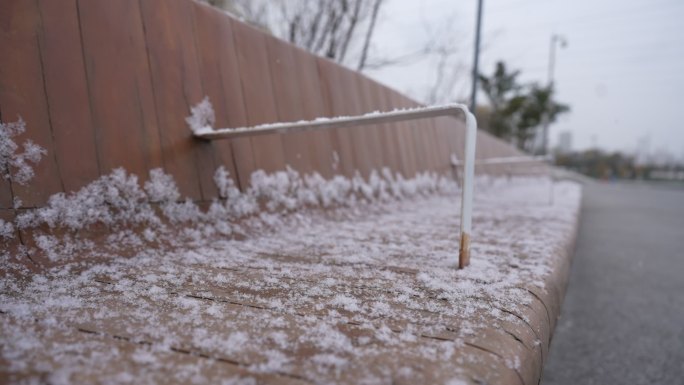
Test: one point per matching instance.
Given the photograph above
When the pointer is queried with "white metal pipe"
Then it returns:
(400, 115)
(467, 193)
(507, 160)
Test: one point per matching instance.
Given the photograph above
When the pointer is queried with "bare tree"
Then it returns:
(442, 50)
(343, 31)
(330, 28)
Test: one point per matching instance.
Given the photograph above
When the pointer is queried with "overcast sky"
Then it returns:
(621, 72)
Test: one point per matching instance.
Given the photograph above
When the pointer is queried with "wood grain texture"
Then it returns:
(297, 146)
(22, 94)
(372, 135)
(221, 83)
(350, 105)
(6, 195)
(405, 139)
(388, 133)
(334, 104)
(67, 93)
(308, 80)
(416, 136)
(177, 86)
(250, 47)
(120, 86)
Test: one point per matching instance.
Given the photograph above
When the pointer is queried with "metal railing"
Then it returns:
(506, 160)
(454, 110)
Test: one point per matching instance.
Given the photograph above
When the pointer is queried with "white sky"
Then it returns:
(621, 72)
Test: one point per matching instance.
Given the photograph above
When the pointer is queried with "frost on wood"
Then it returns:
(6, 229)
(359, 294)
(15, 165)
(118, 202)
(202, 118)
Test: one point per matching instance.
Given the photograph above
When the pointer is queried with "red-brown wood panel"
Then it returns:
(442, 141)
(350, 106)
(120, 86)
(405, 138)
(306, 71)
(5, 194)
(22, 94)
(426, 133)
(177, 86)
(221, 83)
(11, 246)
(67, 93)
(333, 96)
(372, 134)
(250, 47)
(454, 130)
(298, 146)
(438, 154)
(437, 159)
(5, 188)
(388, 132)
(418, 136)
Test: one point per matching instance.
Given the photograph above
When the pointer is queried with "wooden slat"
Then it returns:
(388, 135)
(306, 73)
(5, 194)
(404, 138)
(120, 86)
(330, 82)
(454, 131)
(177, 85)
(250, 47)
(437, 159)
(417, 135)
(298, 146)
(221, 83)
(67, 94)
(11, 246)
(22, 93)
(441, 137)
(425, 135)
(372, 134)
(351, 105)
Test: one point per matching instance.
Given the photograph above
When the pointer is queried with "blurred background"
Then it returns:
(602, 76)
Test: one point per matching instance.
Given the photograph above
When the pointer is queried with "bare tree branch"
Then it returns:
(369, 35)
(350, 30)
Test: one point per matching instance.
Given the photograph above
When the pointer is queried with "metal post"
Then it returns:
(552, 66)
(467, 193)
(476, 58)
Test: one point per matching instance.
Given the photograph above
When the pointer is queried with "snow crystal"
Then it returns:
(161, 187)
(202, 117)
(118, 202)
(15, 166)
(225, 185)
(6, 229)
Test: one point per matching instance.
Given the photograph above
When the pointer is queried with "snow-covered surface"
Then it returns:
(297, 280)
(15, 165)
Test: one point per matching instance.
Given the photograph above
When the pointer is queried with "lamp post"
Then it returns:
(562, 42)
(476, 58)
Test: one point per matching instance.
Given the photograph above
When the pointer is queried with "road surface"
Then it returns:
(623, 317)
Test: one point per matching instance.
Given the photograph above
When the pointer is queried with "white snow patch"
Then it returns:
(16, 166)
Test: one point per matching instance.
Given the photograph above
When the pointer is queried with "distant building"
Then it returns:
(565, 142)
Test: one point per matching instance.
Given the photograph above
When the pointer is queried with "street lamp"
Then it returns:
(562, 42)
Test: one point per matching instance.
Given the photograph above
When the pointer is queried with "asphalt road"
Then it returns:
(622, 321)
